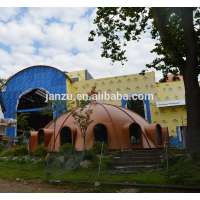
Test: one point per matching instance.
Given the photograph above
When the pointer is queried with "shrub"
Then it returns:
(97, 148)
(21, 150)
(2, 147)
(184, 170)
(40, 151)
(89, 155)
(15, 151)
(67, 148)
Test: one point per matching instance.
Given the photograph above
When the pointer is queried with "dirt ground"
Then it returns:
(23, 186)
(19, 186)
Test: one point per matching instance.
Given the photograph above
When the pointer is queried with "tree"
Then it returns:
(82, 119)
(177, 35)
(2, 83)
(23, 126)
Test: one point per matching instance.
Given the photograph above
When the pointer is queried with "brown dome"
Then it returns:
(120, 128)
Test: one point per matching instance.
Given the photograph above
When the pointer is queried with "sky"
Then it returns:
(58, 37)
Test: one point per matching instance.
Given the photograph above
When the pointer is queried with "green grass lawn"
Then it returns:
(14, 169)
(182, 171)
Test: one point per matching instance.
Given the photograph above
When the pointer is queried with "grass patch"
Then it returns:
(182, 171)
(14, 151)
(14, 169)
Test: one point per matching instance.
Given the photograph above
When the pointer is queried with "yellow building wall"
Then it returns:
(123, 84)
(170, 91)
(171, 116)
(72, 88)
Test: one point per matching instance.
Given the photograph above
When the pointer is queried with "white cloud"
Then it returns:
(8, 13)
(56, 40)
(66, 15)
(14, 33)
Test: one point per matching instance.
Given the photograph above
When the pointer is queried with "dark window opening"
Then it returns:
(75, 79)
(135, 133)
(100, 133)
(65, 136)
(158, 135)
(136, 106)
(40, 137)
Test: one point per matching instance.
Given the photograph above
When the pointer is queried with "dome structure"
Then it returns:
(120, 128)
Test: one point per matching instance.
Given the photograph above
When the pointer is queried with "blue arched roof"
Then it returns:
(48, 78)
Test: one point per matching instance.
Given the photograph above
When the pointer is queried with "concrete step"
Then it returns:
(136, 167)
(135, 153)
(136, 162)
(139, 150)
(137, 159)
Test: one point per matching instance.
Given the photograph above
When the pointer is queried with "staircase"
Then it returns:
(137, 159)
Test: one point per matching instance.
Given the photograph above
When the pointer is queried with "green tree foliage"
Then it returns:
(118, 26)
(23, 121)
(177, 35)
(2, 82)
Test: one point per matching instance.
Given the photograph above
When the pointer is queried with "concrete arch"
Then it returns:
(48, 78)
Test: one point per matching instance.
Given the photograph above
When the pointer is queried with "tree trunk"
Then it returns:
(192, 89)
(189, 71)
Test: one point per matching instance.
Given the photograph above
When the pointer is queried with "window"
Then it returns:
(40, 137)
(136, 106)
(65, 136)
(158, 135)
(135, 133)
(100, 133)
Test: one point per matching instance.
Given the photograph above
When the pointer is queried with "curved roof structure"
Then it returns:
(49, 79)
(35, 66)
(118, 122)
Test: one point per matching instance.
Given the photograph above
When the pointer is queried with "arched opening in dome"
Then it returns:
(159, 135)
(100, 133)
(135, 134)
(65, 136)
(40, 137)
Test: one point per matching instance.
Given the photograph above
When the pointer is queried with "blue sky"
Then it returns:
(59, 37)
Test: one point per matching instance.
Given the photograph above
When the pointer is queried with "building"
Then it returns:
(25, 92)
(119, 128)
(4, 124)
(166, 108)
